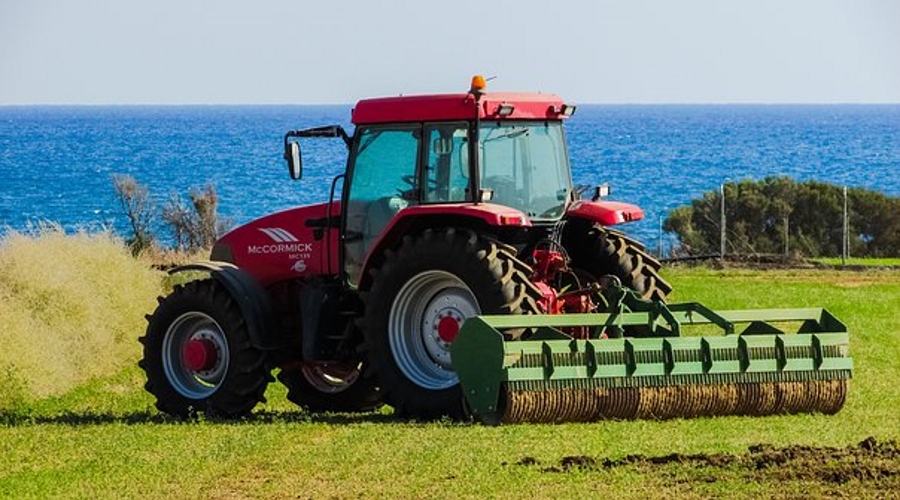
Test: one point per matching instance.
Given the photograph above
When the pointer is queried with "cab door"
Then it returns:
(383, 180)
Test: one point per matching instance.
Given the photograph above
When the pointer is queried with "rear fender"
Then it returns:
(607, 213)
(482, 217)
(252, 299)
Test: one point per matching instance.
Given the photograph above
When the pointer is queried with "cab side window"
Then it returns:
(446, 163)
(383, 183)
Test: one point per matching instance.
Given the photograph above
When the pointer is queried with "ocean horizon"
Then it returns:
(57, 161)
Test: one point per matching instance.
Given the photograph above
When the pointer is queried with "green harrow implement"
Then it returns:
(642, 364)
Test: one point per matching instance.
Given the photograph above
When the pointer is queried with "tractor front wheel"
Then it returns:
(198, 356)
(331, 386)
(600, 251)
(418, 301)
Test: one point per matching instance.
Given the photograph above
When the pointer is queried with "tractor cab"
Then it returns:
(444, 154)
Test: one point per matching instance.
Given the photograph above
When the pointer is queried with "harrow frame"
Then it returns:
(764, 352)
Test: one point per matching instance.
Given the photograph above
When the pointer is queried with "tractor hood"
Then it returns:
(608, 213)
(284, 245)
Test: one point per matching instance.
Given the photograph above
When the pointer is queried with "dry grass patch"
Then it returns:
(72, 307)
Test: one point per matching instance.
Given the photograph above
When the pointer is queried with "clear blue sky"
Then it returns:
(322, 51)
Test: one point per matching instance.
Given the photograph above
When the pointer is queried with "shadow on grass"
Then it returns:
(77, 419)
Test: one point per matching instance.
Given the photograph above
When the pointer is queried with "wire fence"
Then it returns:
(720, 227)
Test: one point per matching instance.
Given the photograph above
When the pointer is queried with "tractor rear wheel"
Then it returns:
(601, 251)
(326, 386)
(198, 356)
(418, 301)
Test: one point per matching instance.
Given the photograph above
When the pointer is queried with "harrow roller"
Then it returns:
(550, 377)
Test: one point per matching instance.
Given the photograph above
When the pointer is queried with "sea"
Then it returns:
(57, 162)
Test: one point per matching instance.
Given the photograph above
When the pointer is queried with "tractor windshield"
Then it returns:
(526, 166)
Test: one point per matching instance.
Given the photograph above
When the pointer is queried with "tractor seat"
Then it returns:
(379, 215)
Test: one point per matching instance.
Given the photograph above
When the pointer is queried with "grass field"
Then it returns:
(103, 439)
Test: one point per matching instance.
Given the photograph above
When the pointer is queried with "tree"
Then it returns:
(197, 228)
(193, 227)
(139, 209)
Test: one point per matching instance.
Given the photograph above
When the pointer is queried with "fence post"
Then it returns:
(659, 235)
(722, 221)
(845, 238)
(787, 235)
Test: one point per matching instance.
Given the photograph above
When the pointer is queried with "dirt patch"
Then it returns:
(742, 261)
(766, 262)
(871, 462)
(868, 461)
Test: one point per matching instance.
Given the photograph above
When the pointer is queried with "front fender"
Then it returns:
(607, 213)
(251, 298)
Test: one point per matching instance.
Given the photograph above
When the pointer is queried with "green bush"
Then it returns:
(780, 215)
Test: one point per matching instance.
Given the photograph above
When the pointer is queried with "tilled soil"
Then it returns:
(870, 468)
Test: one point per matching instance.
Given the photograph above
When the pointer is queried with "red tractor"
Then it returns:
(451, 206)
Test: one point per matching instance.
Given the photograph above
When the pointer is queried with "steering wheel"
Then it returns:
(552, 212)
(411, 193)
(411, 180)
(506, 180)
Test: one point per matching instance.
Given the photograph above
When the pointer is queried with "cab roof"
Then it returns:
(443, 107)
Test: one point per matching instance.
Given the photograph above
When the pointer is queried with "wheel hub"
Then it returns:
(448, 327)
(330, 377)
(441, 322)
(200, 355)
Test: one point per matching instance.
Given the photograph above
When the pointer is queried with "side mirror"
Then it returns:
(600, 191)
(294, 159)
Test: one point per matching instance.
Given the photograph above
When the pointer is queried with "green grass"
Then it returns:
(103, 439)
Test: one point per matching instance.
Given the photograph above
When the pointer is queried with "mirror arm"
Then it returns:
(292, 147)
(347, 139)
(327, 131)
